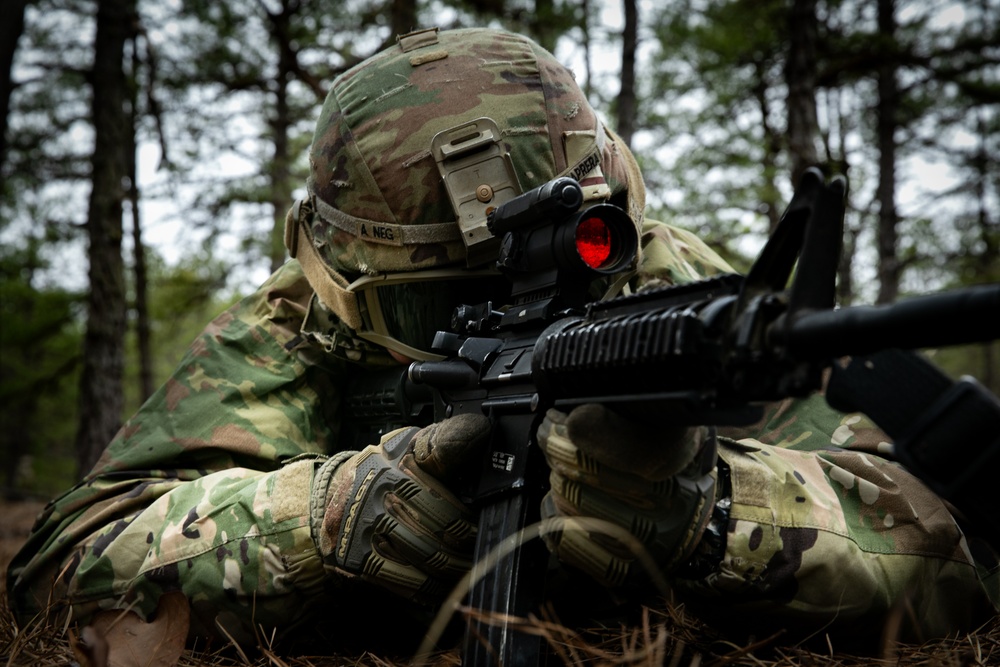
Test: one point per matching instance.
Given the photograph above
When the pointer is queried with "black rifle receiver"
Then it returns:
(710, 352)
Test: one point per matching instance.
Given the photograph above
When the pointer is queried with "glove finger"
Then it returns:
(419, 516)
(597, 555)
(592, 501)
(434, 514)
(653, 452)
(406, 543)
(428, 503)
(445, 449)
(377, 492)
(569, 461)
(665, 527)
(405, 580)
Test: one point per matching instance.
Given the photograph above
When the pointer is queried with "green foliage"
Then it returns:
(715, 108)
(40, 341)
(981, 361)
(42, 205)
(717, 117)
(182, 300)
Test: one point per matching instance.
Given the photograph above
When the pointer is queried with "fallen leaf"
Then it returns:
(90, 649)
(132, 642)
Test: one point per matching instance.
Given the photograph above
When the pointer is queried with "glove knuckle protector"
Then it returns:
(394, 524)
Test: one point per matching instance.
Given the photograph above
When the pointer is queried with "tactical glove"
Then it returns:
(658, 484)
(389, 516)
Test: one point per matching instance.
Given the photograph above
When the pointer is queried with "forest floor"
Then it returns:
(664, 637)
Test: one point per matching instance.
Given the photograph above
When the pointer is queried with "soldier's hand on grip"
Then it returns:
(389, 515)
(656, 483)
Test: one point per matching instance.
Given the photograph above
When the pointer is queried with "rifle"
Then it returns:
(705, 353)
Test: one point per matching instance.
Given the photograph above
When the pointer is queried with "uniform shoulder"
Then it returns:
(674, 256)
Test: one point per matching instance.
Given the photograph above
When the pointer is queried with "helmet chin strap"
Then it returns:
(330, 286)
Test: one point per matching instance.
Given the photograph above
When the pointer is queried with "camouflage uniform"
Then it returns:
(207, 489)
(212, 489)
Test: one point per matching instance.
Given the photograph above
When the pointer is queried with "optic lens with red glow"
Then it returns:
(593, 242)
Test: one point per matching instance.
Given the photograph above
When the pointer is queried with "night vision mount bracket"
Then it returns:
(478, 175)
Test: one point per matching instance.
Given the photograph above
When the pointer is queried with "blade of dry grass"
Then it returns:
(665, 635)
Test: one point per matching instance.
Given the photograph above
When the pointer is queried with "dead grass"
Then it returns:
(664, 637)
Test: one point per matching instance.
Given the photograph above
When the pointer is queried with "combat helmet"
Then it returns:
(416, 143)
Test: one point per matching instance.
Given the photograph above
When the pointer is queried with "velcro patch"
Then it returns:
(418, 39)
(428, 57)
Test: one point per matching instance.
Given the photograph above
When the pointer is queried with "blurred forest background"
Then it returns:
(160, 142)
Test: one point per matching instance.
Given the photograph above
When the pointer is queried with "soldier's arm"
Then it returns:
(199, 491)
(822, 530)
(673, 256)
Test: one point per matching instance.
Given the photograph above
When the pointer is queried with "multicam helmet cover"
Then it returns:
(377, 199)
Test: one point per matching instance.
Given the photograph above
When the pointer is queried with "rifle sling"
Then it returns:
(945, 432)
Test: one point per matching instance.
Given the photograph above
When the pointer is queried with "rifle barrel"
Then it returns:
(954, 317)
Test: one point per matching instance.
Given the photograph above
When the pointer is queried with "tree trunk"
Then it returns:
(545, 25)
(280, 191)
(772, 147)
(627, 109)
(101, 401)
(588, 73)
(800, 78)
(140, 303)
(988, 229)
(836, 156)
(10, 32)
(888, 103)
(845, 267)
(403, 15)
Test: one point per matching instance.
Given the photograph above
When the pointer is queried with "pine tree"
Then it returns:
(101, 397)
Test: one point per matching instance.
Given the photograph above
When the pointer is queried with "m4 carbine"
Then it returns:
(705, 353)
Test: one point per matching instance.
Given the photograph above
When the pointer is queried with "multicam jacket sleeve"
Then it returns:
(827, 535)
(207, 489)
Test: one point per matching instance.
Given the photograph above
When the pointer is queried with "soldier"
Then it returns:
(233, 485)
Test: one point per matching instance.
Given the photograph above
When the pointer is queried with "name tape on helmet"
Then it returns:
(386, 233)
(587, 165)
(584, 151)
